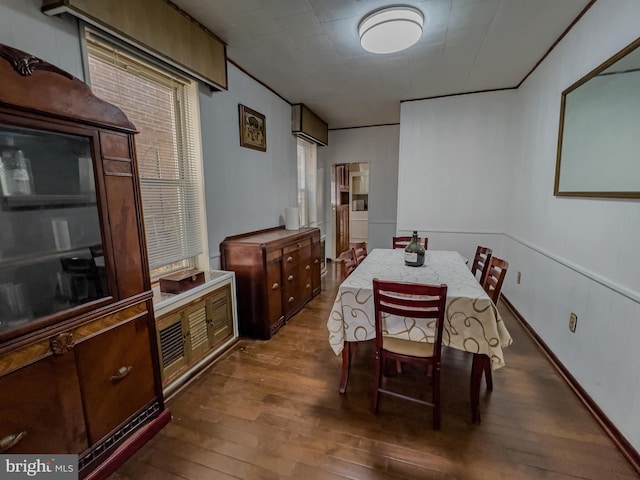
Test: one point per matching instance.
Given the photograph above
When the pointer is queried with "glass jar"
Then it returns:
(15, 173)
(414, 252)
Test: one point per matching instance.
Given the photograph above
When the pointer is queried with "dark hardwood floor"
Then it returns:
(271, 410)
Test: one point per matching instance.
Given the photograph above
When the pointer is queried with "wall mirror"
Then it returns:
(599, 136)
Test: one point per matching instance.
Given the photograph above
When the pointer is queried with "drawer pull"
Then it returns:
(308, 286)
(289, 259)
(290, 278)
(308, 267)
(275, 286)
(121, 373)
(291, 299)
(10, 440)
(316, 261)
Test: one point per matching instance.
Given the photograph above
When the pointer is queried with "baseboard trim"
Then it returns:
(629, 452)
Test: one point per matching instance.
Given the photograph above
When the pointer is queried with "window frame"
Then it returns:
(200, 260)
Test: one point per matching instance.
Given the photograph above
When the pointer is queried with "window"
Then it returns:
(163, 107)
(307, 169)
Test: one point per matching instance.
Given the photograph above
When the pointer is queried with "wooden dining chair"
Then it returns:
(413, 300)
(402, 242)
(492, 284)
(481, 262)
(349, 263)
(494, 277)
(360, 251)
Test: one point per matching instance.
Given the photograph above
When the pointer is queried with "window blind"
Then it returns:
(307, 185)
(162, 107)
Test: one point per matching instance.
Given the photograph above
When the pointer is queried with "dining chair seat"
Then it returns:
(408, 347)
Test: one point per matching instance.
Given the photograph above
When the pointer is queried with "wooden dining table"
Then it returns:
(472, 321)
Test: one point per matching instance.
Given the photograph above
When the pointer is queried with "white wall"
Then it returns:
(575, 255)
(245, 189)
(377, 146)
(53, 39)
(454, 170)
(578, 255)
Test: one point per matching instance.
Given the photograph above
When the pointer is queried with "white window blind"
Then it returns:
(307, 184)
(161, 106)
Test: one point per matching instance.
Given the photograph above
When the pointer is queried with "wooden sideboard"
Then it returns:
(277, 273)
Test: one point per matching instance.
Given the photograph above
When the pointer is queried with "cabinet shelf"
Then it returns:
(36, 202)
(30, 259)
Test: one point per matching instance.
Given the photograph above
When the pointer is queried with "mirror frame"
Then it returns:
(589, 193)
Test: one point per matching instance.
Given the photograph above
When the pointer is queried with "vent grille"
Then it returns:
(198, 327)
(171, 344)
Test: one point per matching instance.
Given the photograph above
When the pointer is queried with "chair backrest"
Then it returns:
(402, 242)
(360, 251)
(415, 300)
(494, 277)
(349, 264)
(481, 262)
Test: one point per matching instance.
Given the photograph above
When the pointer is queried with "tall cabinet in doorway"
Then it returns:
(341, 183)
(359, 203)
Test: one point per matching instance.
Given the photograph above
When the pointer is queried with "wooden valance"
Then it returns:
(159, 27)
(308, 125)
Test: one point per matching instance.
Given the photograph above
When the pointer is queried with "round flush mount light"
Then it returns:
(390, 29)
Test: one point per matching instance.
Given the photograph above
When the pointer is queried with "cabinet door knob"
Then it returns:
(308, 286)
(289, 259)
(121, 373)
(291, 299)
(10, 440)
(275, 286)
(316, 261)
(308, 267)
(290, 278)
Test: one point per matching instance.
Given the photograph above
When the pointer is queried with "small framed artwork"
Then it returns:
(253, 129)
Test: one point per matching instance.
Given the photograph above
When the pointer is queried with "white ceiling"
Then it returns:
(308, 51)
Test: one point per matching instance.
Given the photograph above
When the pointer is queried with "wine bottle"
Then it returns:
(414, 252)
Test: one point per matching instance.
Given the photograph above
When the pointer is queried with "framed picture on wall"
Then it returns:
(253, 129)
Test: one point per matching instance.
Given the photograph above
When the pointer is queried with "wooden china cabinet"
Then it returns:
(79, 369)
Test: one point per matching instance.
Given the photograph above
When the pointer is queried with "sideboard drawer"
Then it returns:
(116, 375)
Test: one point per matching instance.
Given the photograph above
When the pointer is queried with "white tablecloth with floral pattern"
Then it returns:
(472, 322)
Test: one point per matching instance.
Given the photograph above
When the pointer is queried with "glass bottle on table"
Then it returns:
(414, 252)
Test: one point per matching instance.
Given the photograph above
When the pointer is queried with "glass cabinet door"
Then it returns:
(51, 252)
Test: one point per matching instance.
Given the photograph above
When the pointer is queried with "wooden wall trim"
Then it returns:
(619, 440)
(169, 33)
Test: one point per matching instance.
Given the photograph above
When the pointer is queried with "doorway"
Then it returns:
(350, 184)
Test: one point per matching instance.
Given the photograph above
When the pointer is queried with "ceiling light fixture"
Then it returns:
(390, 29)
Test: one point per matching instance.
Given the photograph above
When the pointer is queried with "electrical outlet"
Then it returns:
(518, 278)
(573, 321)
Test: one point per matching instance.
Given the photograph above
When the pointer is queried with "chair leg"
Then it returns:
(376, 383)
(488, 376)
(435, 380)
